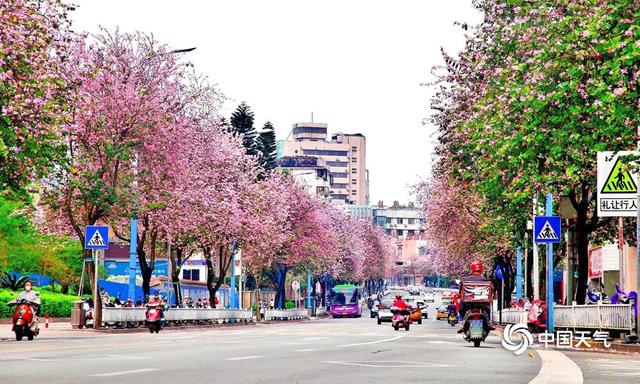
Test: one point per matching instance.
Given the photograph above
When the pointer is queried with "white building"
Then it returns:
(311, 172)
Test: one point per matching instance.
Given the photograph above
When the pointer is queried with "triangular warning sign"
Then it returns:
(96, 239)
(547, 232)
(619, 181)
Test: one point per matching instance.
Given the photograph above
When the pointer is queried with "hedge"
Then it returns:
(53, 304)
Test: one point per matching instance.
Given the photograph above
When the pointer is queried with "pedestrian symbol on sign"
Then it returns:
(97, 240)
(619, 181)
(547, 232)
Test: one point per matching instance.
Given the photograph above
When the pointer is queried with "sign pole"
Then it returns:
(96, 325)
(501, 298)
(518, 273)
(133, 257)
(309, 288)
(550, 298)
(536, 260)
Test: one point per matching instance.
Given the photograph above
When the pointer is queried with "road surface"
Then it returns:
(315, 351)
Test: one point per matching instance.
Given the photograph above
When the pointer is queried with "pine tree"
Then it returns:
(242, 124)
(266, 146)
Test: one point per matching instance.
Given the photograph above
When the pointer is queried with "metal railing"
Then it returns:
(511, 316)
(286, 314)
(597, 316)
(618, 317)
(177, 315)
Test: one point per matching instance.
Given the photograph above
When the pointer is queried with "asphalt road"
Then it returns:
(316, 351)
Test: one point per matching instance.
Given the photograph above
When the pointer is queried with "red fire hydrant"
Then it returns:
(46, 321)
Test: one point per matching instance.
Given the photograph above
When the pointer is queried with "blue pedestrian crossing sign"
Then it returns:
(546, 229)
(96, 237)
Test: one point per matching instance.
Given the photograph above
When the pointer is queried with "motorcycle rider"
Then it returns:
(476, 269)
(33, 298)
(398, 302)
(156, 299)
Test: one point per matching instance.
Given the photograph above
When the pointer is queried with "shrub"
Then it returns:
(289, 304)
(53, 304)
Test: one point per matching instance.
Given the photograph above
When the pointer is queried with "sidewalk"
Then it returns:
(59, 329)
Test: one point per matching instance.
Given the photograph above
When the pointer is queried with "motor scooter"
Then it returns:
(153, 317)
(621, 297)
(452, 319)
(23, 320)
(400, 318)
(537, 317)
(476, 325)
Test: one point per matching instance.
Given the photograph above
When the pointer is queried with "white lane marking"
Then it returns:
(557, 368)
(306, 350)
(390, 364)
(243, 358)
(316, 338)
(372, 342)
(439, 342)
(123, 372)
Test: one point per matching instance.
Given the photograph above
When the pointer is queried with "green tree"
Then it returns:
(539, 89)
(266, 146)
(242, 124)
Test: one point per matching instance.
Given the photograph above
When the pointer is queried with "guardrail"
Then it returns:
(286, 314)
(124, 315)
(597, 316)
(511, 316)
(618, 317)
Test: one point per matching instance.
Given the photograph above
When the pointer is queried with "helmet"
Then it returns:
(398, 297)
(476, 267)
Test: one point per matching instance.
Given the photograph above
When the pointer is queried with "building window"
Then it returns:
(388, 232)
(353, 193)
(354, 149)
(339, 196)
(337, 163)
(354, 159)
(354, 170)
(410, 234)
(340, 174)
(388, 221)
(339, 185)
(191, 274)
(354, 181)
(412, 221)
(400, 221)
(323, 152)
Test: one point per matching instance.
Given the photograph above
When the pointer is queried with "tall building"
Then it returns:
(344, 156)
(311, 172)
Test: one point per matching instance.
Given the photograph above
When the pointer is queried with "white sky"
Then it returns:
(357, 65)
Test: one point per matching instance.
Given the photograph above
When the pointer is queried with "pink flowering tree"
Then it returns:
(33, 91)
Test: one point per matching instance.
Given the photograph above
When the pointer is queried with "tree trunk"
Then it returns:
(64, 289)
(97, 305)
(258, 303)
(223, 266)
(582, 237)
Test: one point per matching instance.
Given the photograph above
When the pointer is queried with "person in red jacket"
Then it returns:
(400, 304)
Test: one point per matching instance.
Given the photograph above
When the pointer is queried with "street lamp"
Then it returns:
(133, 242)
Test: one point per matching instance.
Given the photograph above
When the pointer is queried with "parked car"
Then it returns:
(424, 309)
(442, 312)
(384, 314)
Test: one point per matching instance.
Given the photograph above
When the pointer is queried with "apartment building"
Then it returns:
(344, 156)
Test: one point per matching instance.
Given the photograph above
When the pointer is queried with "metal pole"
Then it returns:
(526, 261)
(133, 256)
(518, 273)
(501, 304)
(96, 325)
(550, 298)
(240, 289)
(233, 304)
(308, 287)
(621, 254)
(536, 258)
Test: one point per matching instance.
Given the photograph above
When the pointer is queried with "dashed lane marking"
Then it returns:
(243, 358)
(372, 342)
(120, 373)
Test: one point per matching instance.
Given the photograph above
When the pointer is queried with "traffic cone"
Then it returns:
(46, 321)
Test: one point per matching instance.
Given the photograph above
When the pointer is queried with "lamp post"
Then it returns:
(133, 235)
